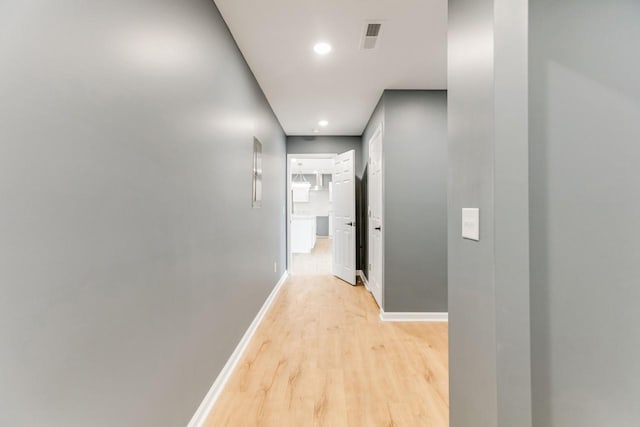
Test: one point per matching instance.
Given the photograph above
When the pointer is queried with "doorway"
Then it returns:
(310, 213)
(321, 215)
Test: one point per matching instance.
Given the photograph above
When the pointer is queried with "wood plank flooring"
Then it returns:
(322, 357)
(316, 262)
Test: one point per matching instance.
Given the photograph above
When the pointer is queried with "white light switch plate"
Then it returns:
(471, 223)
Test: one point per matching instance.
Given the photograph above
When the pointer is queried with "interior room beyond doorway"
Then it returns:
(310, 212)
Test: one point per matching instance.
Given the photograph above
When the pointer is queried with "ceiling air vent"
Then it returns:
(371, 35)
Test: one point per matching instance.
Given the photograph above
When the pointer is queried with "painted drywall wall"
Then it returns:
(336, 144)
(415, 201)
(414, 124)
(489, 354)
(126, 226)
(585, 204)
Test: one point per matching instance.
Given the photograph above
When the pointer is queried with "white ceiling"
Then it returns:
(343, 87)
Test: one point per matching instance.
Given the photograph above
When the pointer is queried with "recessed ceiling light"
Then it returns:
(293, 160)
(316, 131)
(323, 123)
(322, 48)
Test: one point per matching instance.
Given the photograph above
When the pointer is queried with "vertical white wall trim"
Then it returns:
(413, 317)
(360, 273)
(205, 407)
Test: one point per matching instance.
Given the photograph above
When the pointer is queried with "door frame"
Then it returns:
(379, 130)
(290, 202)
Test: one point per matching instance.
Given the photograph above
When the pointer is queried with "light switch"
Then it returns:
(471, 223)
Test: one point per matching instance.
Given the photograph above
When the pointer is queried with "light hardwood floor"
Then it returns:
(322, 357)
(316, 262)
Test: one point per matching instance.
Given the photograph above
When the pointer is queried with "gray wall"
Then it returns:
(585, 205)
(415, 201)
(125, 182)
(583, 127)
(336, 144)
(489, 355)
(415, 207)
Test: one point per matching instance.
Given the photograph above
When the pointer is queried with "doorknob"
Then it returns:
(350, 224)
(378, 228)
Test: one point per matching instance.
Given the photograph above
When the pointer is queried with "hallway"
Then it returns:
(323, 357)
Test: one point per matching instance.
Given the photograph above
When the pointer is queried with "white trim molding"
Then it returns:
(360, 273)
(205, 407)
(413, 317)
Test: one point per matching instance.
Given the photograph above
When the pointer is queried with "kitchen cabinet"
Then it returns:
(303, 233)
(300, 193)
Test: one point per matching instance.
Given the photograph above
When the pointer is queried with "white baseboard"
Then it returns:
(413, 317)
(205, 407)
(364, 279)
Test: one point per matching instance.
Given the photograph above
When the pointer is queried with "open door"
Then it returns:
(344, 208)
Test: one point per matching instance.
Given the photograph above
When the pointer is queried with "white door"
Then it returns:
(344, 217)
(375, 216)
